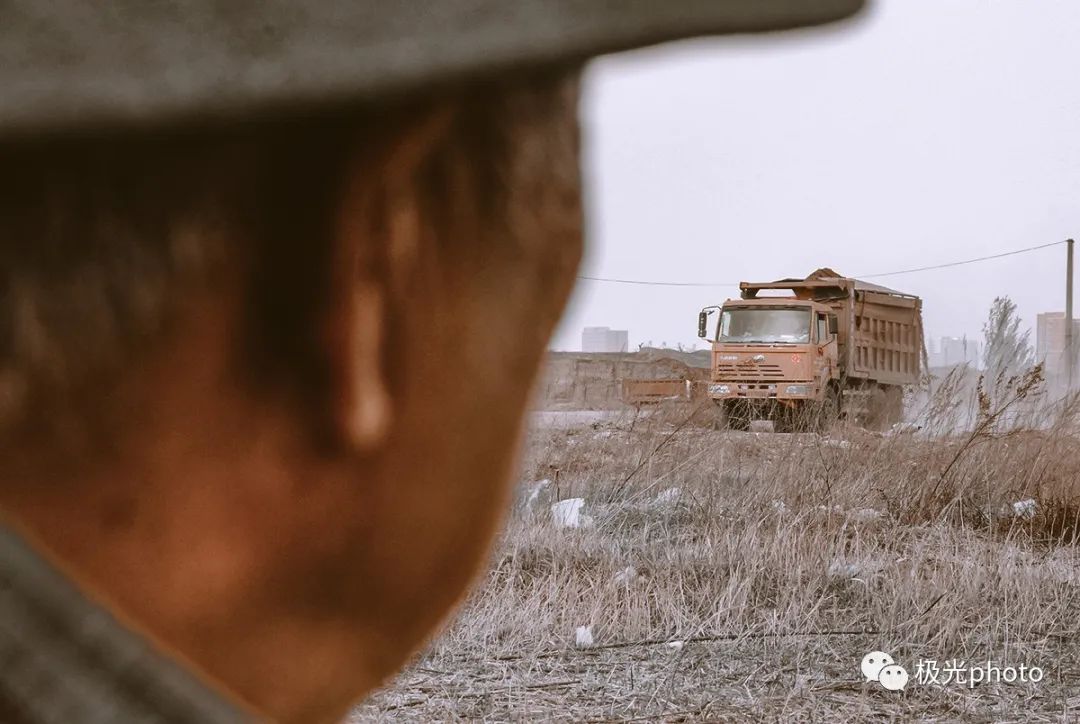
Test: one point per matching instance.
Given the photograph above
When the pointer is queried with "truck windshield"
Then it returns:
(770, 325)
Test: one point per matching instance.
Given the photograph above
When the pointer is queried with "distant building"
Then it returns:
(602, 339)
(1050, 342)
(951, 351)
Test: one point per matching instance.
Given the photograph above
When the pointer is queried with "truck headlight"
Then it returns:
(797, 390)
(719, 389)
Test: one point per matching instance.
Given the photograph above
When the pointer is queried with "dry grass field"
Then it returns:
(742, 576)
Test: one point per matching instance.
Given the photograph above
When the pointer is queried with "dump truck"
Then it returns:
(805, 352)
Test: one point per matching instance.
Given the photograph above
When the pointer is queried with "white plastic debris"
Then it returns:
(778, 506)
(676, 645)
(669, 496)
(534, 491)
(625, 576)
(866, 515)
(583, 637)
(1025, 508)
(842, 570)
(567, 513)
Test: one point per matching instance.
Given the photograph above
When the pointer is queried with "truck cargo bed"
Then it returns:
(881, 334)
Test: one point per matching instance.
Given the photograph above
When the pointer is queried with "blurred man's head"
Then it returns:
(272, 298)
(282, 367)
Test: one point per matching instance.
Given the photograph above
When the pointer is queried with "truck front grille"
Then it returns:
(749, 372)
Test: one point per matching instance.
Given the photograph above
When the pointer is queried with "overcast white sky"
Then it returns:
(928, 131)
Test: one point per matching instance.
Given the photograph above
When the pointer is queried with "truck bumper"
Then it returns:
(787, 392)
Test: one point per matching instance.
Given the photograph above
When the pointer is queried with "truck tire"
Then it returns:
(737, 415)
(791, 420)
(828, 413)
(719, 418)
(894, 405)
(886, 408)
(810, 417)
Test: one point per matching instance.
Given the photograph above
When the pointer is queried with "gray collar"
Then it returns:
(66, 659)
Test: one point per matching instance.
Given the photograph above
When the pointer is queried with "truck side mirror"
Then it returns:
(702, 322)
(834, 325)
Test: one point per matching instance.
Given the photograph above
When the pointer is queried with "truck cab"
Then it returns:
(782, 349)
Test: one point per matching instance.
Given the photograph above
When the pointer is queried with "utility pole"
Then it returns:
(1070, 357)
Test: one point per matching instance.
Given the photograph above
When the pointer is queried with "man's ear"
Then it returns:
(377, 242)
(364, 408)
(372, 258)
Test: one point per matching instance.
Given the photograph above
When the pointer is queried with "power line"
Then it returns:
(961, 263)
(645, 282)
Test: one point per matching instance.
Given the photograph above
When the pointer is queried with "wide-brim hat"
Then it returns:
(77, 65)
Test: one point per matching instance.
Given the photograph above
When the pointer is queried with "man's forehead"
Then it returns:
(71, 65)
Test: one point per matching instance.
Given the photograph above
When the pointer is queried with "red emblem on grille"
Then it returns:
(796, 358)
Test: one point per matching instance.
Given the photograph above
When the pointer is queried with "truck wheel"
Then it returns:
(894, 405)
(886, 408)
(789, 419)
(828, 412)
(737, 414)
(719, 418)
